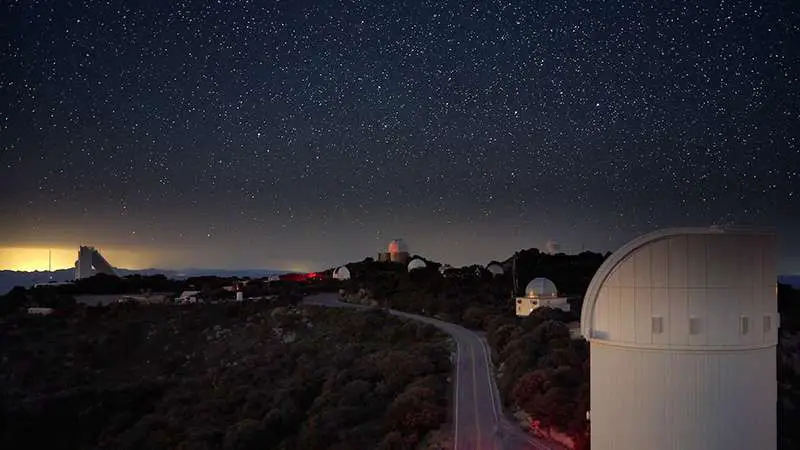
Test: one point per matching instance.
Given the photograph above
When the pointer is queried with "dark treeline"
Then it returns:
(231, 376)
(210, 288)
(789, 367)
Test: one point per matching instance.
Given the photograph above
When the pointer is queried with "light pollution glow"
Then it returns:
(38, 258)
(28, 259)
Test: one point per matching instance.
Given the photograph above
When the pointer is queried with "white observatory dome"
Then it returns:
(683, 327)
(397, 246)
(416, 264)
(552, 247)
(495, 269)
(342, 273)
(541, 287)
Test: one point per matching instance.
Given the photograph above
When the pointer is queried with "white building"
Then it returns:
(540, 292)
(416, 264)
(552, 247)
(39, 311)
(495, 269)
(396, 251)
(188, 297)
(90, 262)
(342, 273)
(683, 328)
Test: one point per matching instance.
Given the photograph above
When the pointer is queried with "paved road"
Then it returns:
(479, 423)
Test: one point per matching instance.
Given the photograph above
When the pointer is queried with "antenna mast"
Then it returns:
(514, 275)
(50, 263)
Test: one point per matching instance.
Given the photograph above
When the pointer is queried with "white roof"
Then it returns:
(416, 264)
(342, 273)
(552, 247)
(495, 269)
(624, 259)
(541, 287)
(187, 294)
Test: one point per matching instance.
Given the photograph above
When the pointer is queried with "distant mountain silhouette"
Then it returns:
(11, 278)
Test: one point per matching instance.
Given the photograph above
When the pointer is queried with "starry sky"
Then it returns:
(303, 134)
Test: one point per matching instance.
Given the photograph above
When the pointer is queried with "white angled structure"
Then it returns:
(342, 273)
(416, 264)
(90, 262)
(683, 328)
(540, 293)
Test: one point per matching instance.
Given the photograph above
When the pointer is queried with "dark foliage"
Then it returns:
(789, 368)
(232, 376)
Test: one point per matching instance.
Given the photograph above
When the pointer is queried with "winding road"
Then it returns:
(479, 423)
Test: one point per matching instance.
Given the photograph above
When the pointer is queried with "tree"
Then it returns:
(247, 434)
(528, 388)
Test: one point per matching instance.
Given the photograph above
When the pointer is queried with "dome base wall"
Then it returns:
(666, 399)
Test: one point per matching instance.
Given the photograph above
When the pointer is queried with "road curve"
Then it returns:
(478, 422)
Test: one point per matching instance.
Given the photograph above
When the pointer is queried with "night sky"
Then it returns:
(302, 134)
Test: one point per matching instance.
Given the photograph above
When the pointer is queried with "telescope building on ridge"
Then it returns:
(397, 251)
(90, 262)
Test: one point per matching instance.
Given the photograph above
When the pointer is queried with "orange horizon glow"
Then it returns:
(28, 259)
(31, 258)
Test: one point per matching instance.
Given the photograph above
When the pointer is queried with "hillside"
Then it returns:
(11, 278)
(232, 376)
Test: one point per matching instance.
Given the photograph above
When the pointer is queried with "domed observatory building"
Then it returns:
(416, 264)
(552, 247)
(397, 251)
(495, 269)
(683, 328)
(540, 292)
(342, 273)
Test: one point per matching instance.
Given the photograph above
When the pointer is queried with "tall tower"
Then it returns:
(683, 329)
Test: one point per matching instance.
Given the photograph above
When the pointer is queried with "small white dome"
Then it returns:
(552, 247)
(541, 287)
(495, 269)
(416, 264)
(397, 246)
(342, 273)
